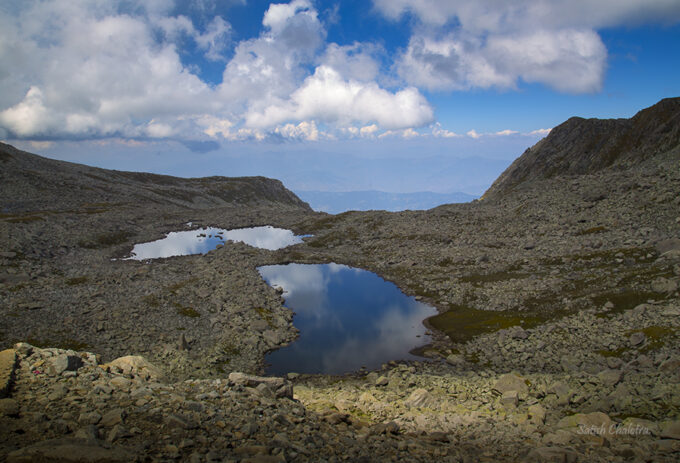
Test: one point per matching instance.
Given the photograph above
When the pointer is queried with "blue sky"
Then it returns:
(395, 95)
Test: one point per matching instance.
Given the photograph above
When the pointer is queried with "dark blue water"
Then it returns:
(347, 317)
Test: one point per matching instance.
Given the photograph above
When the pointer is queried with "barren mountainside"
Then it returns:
(579, 146)
(32, 182)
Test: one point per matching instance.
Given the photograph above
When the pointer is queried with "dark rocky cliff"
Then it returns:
(579, 146)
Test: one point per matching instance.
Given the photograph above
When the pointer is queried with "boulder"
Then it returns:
(510, 398)
(419, 398)
(673, 244)
(280, 386)
(637, 338)
(133, 365)
(610, 378)
(511, 382)
(595, 423)
(537, 414)
(112, 418)
(64, 362)
(671, 430)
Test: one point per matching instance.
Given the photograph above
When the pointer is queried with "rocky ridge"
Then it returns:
(584, 146)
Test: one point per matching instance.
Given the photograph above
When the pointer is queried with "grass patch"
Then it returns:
(613, 353)
(657, 337)
(623, 301)
(104, 240)
(151, 300)
(76, 281)
(179, 285)
(266, 314)
(21, 218)
(592, 231)
(186, 311)
(462, 323)
(493, 277)
(67, 343)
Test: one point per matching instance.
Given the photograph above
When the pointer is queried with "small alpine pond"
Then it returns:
(347, 317)
(203, 240)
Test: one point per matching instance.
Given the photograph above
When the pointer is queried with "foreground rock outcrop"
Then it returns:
(118, 411)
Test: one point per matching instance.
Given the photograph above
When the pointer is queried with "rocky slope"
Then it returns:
(557, 338)
(584, 146)
(29, 182)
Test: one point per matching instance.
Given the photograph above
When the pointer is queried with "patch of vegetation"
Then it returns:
(179, 285)
(657, 337)
(445, 262)
(334, 238)
(493, 277)
(266, 314)
(151, 300)
(623, 301)
(230, 349)
(66, 343)
(76, 281)
(18, 218)
(186, 311)
(592, 231)
(463, 323)
(104, 240)
(17, 288)
(613, 353)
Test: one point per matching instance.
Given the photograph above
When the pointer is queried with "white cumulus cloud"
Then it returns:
(326, 96)
(486, 43)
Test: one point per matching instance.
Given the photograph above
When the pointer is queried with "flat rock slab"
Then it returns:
(8, 361)
(70, 450)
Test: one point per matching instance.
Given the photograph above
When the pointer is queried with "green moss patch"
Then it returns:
(76, 281)
(592, 231)
(623, 301)
(186, 311)
(462, 323)
(104, 240)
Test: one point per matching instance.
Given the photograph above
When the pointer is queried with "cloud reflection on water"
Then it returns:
(203, 240)
(347, 317)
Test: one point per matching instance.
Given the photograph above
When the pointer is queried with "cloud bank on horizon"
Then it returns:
(91, 69)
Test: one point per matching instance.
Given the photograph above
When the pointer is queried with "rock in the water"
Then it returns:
(70, 450)
(511, 382)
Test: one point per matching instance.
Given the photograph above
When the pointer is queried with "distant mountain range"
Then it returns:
(337, 202)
